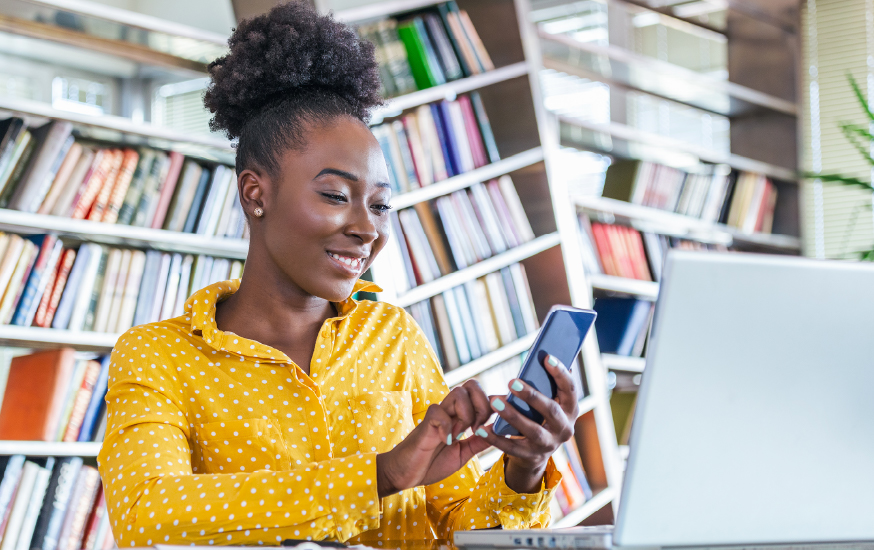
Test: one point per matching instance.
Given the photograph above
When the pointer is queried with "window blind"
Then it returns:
(838, 40)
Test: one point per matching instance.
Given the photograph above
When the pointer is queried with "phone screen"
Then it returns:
(562, 336)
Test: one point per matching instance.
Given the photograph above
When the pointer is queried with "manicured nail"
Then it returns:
(459, 435)
(516, 386)
(481, 432)
(449, 439)
(498, 405)
(552, 361)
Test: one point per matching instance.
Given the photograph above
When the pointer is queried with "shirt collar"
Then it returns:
(200, 312)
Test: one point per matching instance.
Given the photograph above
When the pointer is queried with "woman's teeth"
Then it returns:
(351, 262)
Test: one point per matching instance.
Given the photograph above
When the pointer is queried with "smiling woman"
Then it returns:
(277, 406)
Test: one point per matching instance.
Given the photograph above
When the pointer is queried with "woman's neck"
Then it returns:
(270, 309)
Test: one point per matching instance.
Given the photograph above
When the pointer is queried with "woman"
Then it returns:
(277, 407)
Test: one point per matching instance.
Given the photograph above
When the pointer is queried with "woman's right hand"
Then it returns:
(431, 451)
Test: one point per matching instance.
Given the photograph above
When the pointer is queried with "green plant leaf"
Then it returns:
(837, 178)
(867, 256)
(860, 96)
(852, 133)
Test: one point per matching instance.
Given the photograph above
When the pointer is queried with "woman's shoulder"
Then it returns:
(167, 334)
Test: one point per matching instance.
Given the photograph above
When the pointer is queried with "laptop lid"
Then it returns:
(755, 418)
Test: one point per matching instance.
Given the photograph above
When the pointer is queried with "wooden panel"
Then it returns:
(586, 434)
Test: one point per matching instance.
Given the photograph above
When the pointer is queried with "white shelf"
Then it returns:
(591, 506)
(646, 290)
(30, 108)
(627, 133)
(645, 218)
(616, 65)
(468, 370)
(379, 10)
(463, 181)
(43, 448)
(37, 337)
(133, 19)
(489, 265)
(116, 234)
(450, 90)
(622, 363)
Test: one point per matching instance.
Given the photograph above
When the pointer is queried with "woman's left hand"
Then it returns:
(529, 454)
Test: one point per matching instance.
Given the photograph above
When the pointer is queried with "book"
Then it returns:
(54, 141)
(82, 288)
(14, 167)
(84, 493)
(72, 388)
(106, 291)
(444, 331)
(184, 196)
(54, 507)
(61, 178)
(151, 195)
(10, 129)
(89, 315)
(15, 285)
(619, 322)
(129, 291)
(19, 505)
(105, 164)
(95, 404)
(11, 477)
(157, 209)
(51, 299)
(184, 281)
(200, 195)
(34, 505)
(485, 126)
(45, 262)
(396, 57)
(445, 54)
(172, 288)
(137, 185)
(81, 400)
(420, 54)
(118, 192)
(115, 173)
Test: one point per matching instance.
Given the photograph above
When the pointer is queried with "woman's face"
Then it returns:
(327, 218)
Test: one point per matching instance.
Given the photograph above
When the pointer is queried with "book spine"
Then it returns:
(167, 188)
(485, 127)
(135, 190)
(95, 405)
(119, 190)
(54, 507)
(81, 401)
(34, 505)
(36, 283)
(101, 199)
(19, 506)
(54, 298)
(11, 477)
(102, 166)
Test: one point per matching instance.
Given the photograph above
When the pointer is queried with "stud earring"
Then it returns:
(258, 212)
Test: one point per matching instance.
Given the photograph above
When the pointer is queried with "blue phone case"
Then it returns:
(562, 336)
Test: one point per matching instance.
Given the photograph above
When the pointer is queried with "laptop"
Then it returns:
(754, 424)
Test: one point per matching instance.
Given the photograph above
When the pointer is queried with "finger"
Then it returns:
(511, 447)
(480, 401)
(461, 409)
(567, 391)
(439, 423)
(530, 430)
(557, 421)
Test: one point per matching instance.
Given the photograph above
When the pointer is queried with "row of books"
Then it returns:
(52, 504)
(54, 395)
(453, 232)
(437, 141)
(47, 170)
(478, 317)
(622, 325)
(743, 200)
(574, 489)
(621, 251)
(426, 49)
(95, 288)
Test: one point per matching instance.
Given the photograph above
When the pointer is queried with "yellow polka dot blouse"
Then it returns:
(216, 439)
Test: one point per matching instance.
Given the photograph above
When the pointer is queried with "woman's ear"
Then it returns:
(252, 191)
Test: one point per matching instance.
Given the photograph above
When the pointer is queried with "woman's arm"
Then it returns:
(153, 496)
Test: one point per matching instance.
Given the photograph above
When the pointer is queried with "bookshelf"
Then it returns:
(627, 80)
(162, 53)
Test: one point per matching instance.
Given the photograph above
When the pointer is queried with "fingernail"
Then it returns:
(516, 385)
(552, 361)
(459, 435)
(449, 439)
(498, 405)
(481, 432)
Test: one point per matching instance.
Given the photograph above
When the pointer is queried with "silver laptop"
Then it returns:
(755, 418)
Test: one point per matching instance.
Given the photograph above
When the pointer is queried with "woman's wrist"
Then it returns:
(384, 484)
(524, 476)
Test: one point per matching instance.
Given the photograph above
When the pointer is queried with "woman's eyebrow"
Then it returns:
(342, 173)
(347, 175)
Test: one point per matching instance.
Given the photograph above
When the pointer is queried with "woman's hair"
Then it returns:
(288, 68)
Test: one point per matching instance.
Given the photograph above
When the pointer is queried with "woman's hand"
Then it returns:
(432, 452)
(530, 453)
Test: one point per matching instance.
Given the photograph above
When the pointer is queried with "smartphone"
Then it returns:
(561, 336)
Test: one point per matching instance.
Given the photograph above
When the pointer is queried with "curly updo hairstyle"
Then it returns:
(286, 69)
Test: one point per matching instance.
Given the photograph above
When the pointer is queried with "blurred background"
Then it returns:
(541, 152)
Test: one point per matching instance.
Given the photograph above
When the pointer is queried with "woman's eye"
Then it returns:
(334, 197)
(381, 207)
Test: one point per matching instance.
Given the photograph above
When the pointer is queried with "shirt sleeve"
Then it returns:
(153, 496)
(470, 498)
